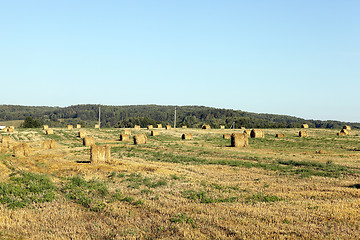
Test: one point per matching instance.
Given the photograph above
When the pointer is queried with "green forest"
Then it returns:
(143, 115)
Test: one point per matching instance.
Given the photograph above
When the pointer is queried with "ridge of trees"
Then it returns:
(143, 115)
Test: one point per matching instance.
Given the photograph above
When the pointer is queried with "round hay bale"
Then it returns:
(5, 141)
(346, 127)
(168, 127)
(124, 137)
(69, 127)
(49, 144)
(239, 140)
(227, 136)
(137, 127)
(257, 133)
(159, 125)
(21, 150)
(149, 127)
(140, 139)
(187, 136)
(280, 135)
(49, 131)
(154, 133)
(82, 134)
(303, 134)
(100, 153)
(247, 131)
(88, 141)
(304, 125)
(206, 126)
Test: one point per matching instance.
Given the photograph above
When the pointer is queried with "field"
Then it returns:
(283, 188)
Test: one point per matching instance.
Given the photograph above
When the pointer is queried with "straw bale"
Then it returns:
(45, 127)
(227, 136)
(5, 141)
(137, 127)
(206, 126)
(9, 129)
(239, 140)
(100, 153)
(280, 135)
(247, 131)
(187, 136)
(97, 126)
(88, 141)
(50, 144)
(303, 134)
(78, 126)
(159, 125)
(127, 132)
(82, 134)
(257, 133)
(124, 137)
(347, 127)
(168, 127)
(12, 127)
(154, 133)
(49, 131)
(21, 150)
(184, 127)
(222, 127)
(345, 131)
(149, 127)
(304, 125)
(140, 139)
(69, 127)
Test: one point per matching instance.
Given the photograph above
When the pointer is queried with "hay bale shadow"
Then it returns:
(83, 161)
(357, 186)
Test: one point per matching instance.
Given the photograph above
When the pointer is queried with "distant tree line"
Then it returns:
(143, 115)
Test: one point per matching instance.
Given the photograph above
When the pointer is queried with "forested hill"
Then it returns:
(128, 116)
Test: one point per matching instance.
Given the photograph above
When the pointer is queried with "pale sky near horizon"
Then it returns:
(298, 58)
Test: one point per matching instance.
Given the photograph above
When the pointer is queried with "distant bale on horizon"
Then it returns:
(137, 127)
(347, 127)
(49, 131)
(149, 127)
(280, 135)
(304, 125)
(159, 125)
(69, 127)
(205, 126)
(168, 127)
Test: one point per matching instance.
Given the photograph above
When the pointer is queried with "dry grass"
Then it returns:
(283, 188)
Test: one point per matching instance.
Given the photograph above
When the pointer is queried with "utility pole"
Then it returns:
(175, 118)
(99, 116)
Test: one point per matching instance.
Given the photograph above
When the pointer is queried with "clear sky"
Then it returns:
(298, 58)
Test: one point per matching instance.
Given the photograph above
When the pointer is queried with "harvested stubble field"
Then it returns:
(283, 188)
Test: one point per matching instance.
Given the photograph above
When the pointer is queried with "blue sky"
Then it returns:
(299, 58)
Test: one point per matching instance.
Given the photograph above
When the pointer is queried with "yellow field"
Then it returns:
(283, 188)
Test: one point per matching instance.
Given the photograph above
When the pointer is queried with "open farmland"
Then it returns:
(168, 188)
